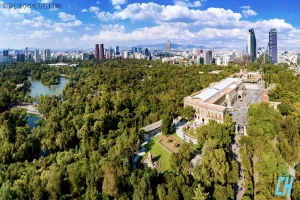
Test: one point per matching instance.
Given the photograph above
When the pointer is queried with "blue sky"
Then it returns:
(210, 23)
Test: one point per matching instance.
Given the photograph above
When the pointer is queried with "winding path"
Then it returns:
(184, 137)
(142, 150)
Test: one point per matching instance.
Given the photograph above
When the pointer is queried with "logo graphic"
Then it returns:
(288, 183)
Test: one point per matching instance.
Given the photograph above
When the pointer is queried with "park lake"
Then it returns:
(32, 119)
(37, 87)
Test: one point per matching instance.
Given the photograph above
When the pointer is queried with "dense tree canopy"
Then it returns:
(84, 148)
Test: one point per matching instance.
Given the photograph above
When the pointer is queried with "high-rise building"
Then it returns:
(111, 52)
(36, 56)
(208, 58)
(46, 55)
(20, 57)
(101, 51)
(5, 53)
(117, 50)
(84, 56)
(91, 56)
(125, 54)
(26, 53)
(147, 53)
(252, 45)
(134, 50)
(168, 46)
(97, 51)
(194, 51)
(273, 46)
(139, 50)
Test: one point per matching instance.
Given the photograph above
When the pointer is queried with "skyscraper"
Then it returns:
(252, 45)
(46, 55)
(273, 46)
(36, 56)
(97, 51)
(139, 50)
(117, 50)
(168, 46)
(101, 51)
(147, 53)
(134, 49)
(26, 54)
(5, 53)
(111, 52)
(208, 58)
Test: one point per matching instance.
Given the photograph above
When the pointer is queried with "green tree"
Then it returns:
(199, 193)
(188, 112)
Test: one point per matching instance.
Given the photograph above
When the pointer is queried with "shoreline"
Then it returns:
(30, 108)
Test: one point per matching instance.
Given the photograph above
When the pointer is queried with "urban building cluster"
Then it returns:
(225, 57)
(110, 53)
(188, 56)
(25, 55)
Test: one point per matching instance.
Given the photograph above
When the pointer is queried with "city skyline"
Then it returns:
(115, 22)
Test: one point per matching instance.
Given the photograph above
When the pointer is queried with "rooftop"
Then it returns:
(214, 89)
(153, 126)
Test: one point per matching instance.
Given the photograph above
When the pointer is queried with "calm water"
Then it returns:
(37, 88)
(32, 119)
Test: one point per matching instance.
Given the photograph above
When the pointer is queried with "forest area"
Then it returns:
(84, 148)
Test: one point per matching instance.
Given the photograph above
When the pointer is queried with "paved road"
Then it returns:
(186, 138)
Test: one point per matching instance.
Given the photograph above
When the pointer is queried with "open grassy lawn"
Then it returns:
(159, 152)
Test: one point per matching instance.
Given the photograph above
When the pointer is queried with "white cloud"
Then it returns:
(117, 7)
(245, 7)
(67, 40)
(161, 33)
(182, 23)
(46, 1)
(118, 2)
(94, 9)
(69, 24)
(58, 29)
(187, 3)
(247, 11)
(97, 2)
(172, 13)
(66, 17)
(41, 34)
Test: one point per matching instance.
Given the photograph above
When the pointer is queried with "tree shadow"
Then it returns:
(156, 158)
(149, 145)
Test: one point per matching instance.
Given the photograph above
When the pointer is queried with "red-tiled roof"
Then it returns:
(264, 96)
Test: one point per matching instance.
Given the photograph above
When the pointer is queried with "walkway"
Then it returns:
(184, 137)
(142, 150)
(236, 150)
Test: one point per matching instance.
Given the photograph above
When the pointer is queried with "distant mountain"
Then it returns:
(162, 46)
